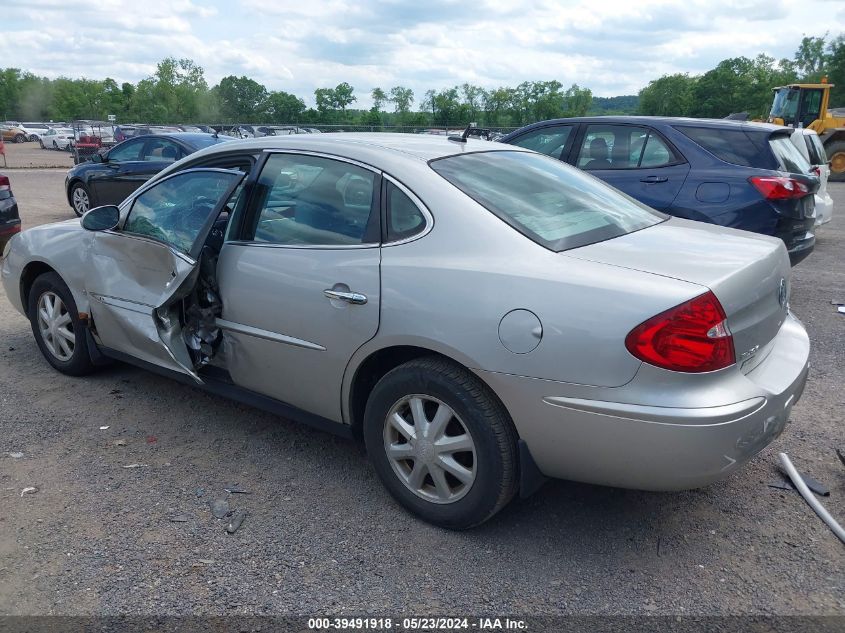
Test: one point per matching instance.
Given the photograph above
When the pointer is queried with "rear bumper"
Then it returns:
(652, 446)
(798, 235)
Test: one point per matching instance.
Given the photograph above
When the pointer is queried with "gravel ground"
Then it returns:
(321, 536)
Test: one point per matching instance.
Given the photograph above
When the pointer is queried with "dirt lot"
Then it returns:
(30, 155)
(323, 537)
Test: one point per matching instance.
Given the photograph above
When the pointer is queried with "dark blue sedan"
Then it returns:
(111, 176)
(732, 173)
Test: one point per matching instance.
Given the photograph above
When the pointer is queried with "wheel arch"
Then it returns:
(32, 271)
(375, 363)
(69, 188)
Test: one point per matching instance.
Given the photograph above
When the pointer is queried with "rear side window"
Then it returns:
(790, 157)
(548, 140)
(818, 156)
(547, 201)
(730, 145)
(404, 218)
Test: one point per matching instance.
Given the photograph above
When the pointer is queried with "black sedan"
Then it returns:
(10, 221)
(111, 176)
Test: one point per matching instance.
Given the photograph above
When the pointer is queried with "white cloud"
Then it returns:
(612, 47)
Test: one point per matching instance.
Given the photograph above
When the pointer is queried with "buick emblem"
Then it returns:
(782, 294)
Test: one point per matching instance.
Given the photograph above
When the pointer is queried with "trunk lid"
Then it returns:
(748, 273)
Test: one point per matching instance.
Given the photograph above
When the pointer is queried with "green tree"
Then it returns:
(811, 58)
(576, 101)
(401, 98)
(242, 100)
(379, 98)
(836, 71)
(343, 97)
(283, 107)
(671, 95)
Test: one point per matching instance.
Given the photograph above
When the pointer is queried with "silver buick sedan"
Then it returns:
(480, 316)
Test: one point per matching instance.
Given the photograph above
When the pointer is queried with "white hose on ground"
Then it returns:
(810, 498)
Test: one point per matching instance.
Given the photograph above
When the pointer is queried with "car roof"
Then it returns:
(364, 144)
(664, 120)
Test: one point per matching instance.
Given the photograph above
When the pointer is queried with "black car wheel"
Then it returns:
(33, 137)
(59, 333)
(55, 145)
(79, 198)
(441, 443)
(41, 143)
(20, 138)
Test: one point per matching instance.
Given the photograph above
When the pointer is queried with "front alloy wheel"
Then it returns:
(79, 199)
(59, 333)
(56, 326)
(429, 449)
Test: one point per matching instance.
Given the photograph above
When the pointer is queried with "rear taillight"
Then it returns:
(817, 171)
(779, 187)
(4, 184)
(691, 337)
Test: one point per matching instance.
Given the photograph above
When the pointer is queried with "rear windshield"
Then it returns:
(553, 204)
(790, 157)
(733, 146)
(818, 156)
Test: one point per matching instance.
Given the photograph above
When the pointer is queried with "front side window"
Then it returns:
(622, 147)
(314, 201)
(550, 141)
(128, 151)
(547, 201)
(175, 210)
(161, 150)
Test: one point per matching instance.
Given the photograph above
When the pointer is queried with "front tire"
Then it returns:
(836, 156)
(441, 443)
(20, 138)
(55, 146)
(80, 199)
(59, 333)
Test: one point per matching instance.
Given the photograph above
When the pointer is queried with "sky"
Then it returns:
(612, 47)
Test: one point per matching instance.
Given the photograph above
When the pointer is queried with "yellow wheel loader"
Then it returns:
(808, 105)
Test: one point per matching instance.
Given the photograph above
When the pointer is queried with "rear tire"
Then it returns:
(55, 146)
(836, 156)
(451, 458)
(20, 138)
(58, 332)
(80, 199)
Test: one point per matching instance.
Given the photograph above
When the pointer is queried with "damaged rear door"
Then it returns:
(138, 274)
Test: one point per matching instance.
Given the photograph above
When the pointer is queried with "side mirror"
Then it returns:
(99, 157)
(102, 218)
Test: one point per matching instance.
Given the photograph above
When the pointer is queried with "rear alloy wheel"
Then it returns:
(79, 199)
(20, 138)
(59, 333)
(33, 137)
(836, 154)
(441, 443)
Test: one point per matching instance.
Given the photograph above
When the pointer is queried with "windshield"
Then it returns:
(555, 205)
(785, 104)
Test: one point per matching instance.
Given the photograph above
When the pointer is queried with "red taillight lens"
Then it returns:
(779, 187)
(4, 183)
(691, 337)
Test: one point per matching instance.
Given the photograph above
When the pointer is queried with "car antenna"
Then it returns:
(463, 137)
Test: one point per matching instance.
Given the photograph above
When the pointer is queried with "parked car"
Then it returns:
(812, 149)
(481, 315)
(56, 138)
(732, 173)
(112, 175)
(10, 221)
(13, 133)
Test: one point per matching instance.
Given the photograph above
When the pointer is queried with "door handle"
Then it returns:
(650, 179)
(355, 298)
